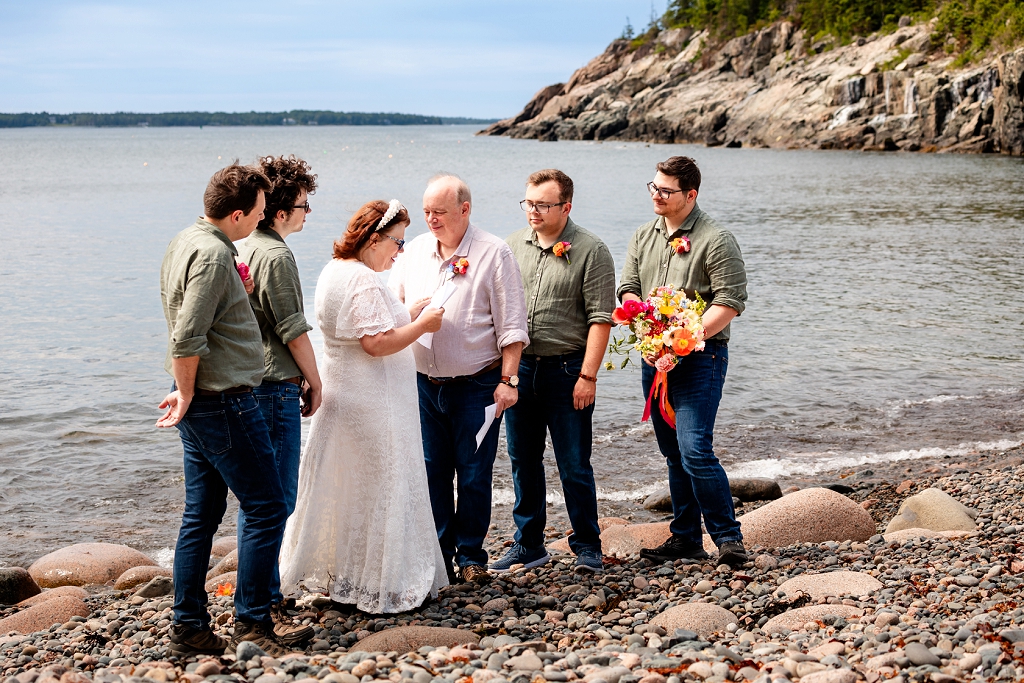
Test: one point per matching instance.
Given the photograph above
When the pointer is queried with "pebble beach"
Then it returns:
(917, 604)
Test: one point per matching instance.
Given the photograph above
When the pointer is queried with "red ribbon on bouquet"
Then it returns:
(659, 393)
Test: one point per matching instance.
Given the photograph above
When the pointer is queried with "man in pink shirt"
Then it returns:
(467, 366)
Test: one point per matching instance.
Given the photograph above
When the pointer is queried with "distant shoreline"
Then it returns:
(198, 119)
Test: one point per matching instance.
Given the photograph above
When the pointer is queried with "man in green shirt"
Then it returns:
(216, 358)
(686, 248)
(569, 280)
(291, 374)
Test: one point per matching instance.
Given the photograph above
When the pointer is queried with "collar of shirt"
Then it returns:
(209, 227)
(461, 251)
(567, 235)
(687, 225)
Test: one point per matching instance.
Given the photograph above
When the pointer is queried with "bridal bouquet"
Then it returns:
(664, 328)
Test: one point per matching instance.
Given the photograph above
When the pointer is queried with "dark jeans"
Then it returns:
(227, 446)
(450, 417)
(545, 404)
(696, 479)
(279, 403)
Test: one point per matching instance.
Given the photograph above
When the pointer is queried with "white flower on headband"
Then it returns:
(393, 208)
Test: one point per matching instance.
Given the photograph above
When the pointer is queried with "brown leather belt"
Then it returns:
(232, 390)
(294, 380)
(441, 381)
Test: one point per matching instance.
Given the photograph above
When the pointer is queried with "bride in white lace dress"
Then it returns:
(362, 530)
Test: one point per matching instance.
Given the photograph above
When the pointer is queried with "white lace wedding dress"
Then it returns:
(362, 530)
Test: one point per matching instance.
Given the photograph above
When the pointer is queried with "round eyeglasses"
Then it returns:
(527, 205)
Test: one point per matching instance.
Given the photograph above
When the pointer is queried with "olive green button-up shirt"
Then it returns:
(566, 294)
(276, 300)
(207, 310)
(713, 267)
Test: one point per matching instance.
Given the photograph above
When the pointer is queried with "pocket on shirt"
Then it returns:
(210, 430)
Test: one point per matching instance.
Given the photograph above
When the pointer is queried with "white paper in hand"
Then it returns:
(489, 412)
(437, 301)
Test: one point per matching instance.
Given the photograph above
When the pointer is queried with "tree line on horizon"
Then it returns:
(297, 117)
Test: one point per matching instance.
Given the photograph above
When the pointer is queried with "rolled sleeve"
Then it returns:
(508, 301)
(630, 281)
(599, 287)
(204, 288)
(727, 273)
(292, 327)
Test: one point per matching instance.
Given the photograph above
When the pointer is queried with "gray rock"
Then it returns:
(659, 501)
(502, 641)
(528, 661)
(157, 586)
(920, 655)
(1012, 635)
(755, 488)
(247, 650)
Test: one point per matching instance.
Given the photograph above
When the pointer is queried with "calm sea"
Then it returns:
(885, 318)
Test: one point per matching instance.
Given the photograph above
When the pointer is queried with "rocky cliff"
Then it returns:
(768, 89)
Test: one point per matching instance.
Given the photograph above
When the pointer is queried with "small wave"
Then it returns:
(164, 557)
(815, 463)
(642, 428)
(508, 496)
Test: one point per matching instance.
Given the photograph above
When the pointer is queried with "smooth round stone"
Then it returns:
(700, 617)
(85, 564)
(932, 509)
(409, 638)
(813, 515)
(43, 616)
(796, 618)
(836, 584)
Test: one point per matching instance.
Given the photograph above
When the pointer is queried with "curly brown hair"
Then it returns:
(290, 176)
(361, 228)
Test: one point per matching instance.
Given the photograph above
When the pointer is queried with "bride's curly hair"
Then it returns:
(361, 228)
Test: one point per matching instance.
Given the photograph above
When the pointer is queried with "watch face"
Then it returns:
(514, 380)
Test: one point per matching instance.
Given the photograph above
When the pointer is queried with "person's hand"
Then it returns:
(416, 308)
(177, 405)
(504, 397)
(312, 397)
(583, 393)
(248, 284)
(431, 319)
(651, 363)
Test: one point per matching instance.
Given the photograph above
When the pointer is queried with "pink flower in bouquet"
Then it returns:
(627, 311)
(665, 363)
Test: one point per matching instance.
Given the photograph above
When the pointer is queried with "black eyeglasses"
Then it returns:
(527, 205)
(400, 243)
(304, 207)
(662, 192)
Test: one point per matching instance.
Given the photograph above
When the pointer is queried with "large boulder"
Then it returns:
(224, 545)
(659, 501)
(85, 564)
(808, 516)
(228, 564)
(932, 509)
(700, 617)
(16, 584)
(136, 576)
(613, 535)
(755, 488)
(796, 618)
(837, 584)
(408, 638)
(61, 592)
(43, 616)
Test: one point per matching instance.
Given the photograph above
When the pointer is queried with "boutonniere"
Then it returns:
(458, 267)
(680, 245)
(561, 249)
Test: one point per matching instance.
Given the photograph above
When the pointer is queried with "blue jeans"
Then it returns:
(450, 416)
(227, 446)
(279, 403)
(545, 403)
(696, 480)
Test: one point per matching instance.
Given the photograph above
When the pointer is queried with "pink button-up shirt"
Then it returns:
(486, 313)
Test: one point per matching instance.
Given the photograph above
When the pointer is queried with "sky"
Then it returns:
(445, 58)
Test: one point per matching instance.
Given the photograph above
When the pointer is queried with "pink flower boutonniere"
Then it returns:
(561, 249)
(458, 267)
(243, 271)
(680, 245)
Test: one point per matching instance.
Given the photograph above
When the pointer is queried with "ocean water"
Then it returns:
(885, 319)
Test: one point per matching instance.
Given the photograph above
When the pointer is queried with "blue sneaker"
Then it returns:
(517, 554)
(589, 562)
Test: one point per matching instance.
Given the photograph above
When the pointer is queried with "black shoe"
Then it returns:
(733, 554)
(453, 577)
(261, 635)
(186, 641)
(675, 548)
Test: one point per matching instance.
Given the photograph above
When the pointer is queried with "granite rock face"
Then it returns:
(408, 638)
(811, 515)
(44, 615)
(935, 510)
(769, 88)
(699, 617)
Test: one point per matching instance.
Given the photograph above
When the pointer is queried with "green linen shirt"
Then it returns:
(713, 267)
(207, 310)
(276, 300)
(564, 296)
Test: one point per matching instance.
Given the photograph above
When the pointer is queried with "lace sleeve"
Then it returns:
(368, 311)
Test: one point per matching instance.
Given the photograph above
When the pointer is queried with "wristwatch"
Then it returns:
(511, 380)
